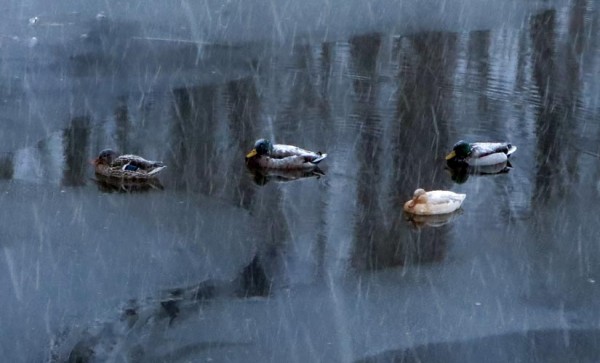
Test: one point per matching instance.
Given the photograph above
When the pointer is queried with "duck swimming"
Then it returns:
(480, 153)
(129, 167)
(434, 202)
(280, 156)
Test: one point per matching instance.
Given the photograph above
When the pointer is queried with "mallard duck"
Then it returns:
(434, 202)
(129, 167)
(480, 153)
(280, 156)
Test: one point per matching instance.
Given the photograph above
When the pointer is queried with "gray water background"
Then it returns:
(218, 267)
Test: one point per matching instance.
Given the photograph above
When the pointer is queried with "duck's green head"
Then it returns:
(461, 150)
(261, 147)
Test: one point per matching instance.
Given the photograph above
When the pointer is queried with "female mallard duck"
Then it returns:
(279, 156)
(480, 153)
(129, 167)
(434, 202)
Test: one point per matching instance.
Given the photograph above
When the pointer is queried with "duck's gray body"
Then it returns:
(480, 153)
(283, 157)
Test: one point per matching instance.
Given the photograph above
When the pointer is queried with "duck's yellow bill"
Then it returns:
(251, 154)
(451, 155)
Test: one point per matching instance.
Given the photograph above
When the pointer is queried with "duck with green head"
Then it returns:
(280, 156)
(480, 153)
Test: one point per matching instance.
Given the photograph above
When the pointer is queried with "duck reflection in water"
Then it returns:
(460, 173)
(7, 167)
(113, 185)
(262, 176)
(435, 221)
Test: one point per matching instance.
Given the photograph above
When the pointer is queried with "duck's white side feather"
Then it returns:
(283, 150)
(288, 162)
(488, 160)
(130, 157)
(444, 196)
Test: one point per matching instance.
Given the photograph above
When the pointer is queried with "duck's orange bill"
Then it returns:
(251, 154)
(451, 155)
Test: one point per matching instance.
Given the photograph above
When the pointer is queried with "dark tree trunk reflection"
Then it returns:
(243, 104)
(555, 124)
(368, 253)
(193, 138)
(76, 140)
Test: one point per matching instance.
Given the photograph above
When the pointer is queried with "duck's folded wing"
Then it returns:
(282, 151)
(444, 197)
(137, 161)
(290, 162)
(486, 148)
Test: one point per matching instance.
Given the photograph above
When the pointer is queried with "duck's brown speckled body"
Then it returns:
(129, 167)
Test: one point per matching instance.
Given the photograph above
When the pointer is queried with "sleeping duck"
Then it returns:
(130, 167)
(434, 202)
(480, 153)
(279, 156)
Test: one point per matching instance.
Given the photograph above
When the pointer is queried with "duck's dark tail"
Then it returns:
(511, 149)
(157, 169)
(320, 158)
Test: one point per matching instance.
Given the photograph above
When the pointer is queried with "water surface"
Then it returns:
(224, 265)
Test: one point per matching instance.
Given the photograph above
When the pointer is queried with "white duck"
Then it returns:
(434, 202)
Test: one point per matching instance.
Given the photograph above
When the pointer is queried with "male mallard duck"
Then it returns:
(433, 202)
(480, 153)
(280, 156)
(130, 167)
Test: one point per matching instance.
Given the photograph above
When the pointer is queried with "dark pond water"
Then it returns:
(226, 266)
